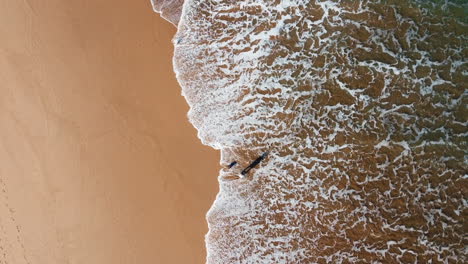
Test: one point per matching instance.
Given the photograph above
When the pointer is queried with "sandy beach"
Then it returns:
(98, 162)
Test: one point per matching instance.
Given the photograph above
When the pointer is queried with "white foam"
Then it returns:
(240, 101)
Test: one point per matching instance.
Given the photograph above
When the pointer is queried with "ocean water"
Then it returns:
(362, 106)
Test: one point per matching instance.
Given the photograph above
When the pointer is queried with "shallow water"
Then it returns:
(362, 105)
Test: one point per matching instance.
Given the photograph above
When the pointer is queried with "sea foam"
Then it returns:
(362, 106)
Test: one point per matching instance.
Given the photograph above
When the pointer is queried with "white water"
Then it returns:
(343, 157)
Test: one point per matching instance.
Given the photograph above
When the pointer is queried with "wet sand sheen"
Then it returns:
(96, 155)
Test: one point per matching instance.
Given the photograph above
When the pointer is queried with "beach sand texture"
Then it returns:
(98, 163)
(362, 107)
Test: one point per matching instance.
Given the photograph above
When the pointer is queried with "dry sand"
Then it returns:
(98, 163)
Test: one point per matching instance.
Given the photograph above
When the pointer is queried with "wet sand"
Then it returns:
(98, 163)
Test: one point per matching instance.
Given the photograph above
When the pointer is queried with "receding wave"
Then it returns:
(362, 106)
(169, 9)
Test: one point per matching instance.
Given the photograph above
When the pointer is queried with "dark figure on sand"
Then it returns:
(254, 163)
(232, 164)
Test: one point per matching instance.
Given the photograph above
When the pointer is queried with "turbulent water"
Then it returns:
(363, 108)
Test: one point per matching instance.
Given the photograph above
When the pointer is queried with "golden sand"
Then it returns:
(98, 163)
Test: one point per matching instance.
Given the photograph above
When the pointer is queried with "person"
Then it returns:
(232, 164)
(254, 163)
